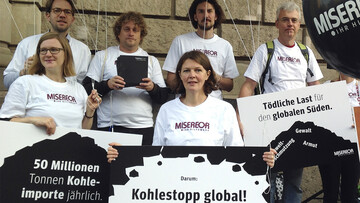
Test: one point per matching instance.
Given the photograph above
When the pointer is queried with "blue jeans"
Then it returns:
(292, 192)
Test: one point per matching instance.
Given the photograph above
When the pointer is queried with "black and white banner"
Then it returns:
(189, 174)
(306, 126)
(69, 166)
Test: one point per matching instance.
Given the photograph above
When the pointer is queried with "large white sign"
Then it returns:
(69, 166)
(265, 116)
(315, 121)
(189, 174)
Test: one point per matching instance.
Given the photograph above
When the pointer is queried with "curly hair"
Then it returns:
(203, 60)
(218, 10)
(68, 65)
(138, 20)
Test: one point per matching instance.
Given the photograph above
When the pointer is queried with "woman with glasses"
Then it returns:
(46, 97)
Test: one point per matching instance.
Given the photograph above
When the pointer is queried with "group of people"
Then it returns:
(57, 84)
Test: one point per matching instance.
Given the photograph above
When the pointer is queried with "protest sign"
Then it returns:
(307, 126)
(69, 166)
(189, 174)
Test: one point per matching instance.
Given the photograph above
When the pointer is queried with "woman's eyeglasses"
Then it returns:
(52, 50)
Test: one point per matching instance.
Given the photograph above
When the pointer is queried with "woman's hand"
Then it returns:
(93, 102)
(112, 153)
(46, 122)
(269, 157)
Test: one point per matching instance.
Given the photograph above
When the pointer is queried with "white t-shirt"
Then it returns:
(218, 50)
(212, 123)
(288, 68)
(354, 93)
(27, 48)
(39, 96)
(130, 107)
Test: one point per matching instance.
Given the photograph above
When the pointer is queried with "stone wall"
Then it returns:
(166, 19)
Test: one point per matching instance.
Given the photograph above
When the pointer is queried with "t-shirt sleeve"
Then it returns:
(232, 135)
(16, 64)
(15, 100)
(257, 64)
(84, 64)
(95, 66)
(159, 131)
(156, 73)
(230, 69)
(172, 57)
(314, 67)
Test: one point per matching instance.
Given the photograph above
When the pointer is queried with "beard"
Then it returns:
(202, 27)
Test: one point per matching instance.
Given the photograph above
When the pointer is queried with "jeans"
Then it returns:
(292, 192)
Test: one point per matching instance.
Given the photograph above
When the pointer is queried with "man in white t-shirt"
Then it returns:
(205, 15)
(289, 70)
(60, 14)
(126, 109)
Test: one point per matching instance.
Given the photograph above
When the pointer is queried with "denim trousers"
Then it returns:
(291, 192)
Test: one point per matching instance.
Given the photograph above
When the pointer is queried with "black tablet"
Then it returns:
(132, 68)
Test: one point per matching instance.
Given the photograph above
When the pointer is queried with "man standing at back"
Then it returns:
(288, 69)
(126, 109)
(205, 15)
(60, 14)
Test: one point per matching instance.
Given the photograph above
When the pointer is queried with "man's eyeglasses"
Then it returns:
(52, 50)
(293, 20)
(67, 12)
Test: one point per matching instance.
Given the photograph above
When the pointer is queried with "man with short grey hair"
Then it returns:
(282, 75)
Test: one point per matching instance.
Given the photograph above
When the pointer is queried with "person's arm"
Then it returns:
(92, 103)
(112, 153)
(225, 79)
(226, 84)
(46, 122)
(171, 80)
(155, 85)
(18, 65)
(83, 63)
(101, 87)
(232, 135)
(157, 93)
(247, 89)
(313, 83)
(269, 157)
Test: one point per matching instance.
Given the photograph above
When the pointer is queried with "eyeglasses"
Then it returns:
(67, 12)
(52, 50)
(285, 20)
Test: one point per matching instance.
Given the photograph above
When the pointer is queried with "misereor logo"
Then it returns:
(61, 98)
(192, 126)
(339, 19)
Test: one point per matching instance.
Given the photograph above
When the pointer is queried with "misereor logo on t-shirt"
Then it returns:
(192, 126)
(207, 52)
(286, 59)
(61, 98)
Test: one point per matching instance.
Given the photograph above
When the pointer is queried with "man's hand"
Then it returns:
(116, 83)
(29, 61)
(147, 84)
